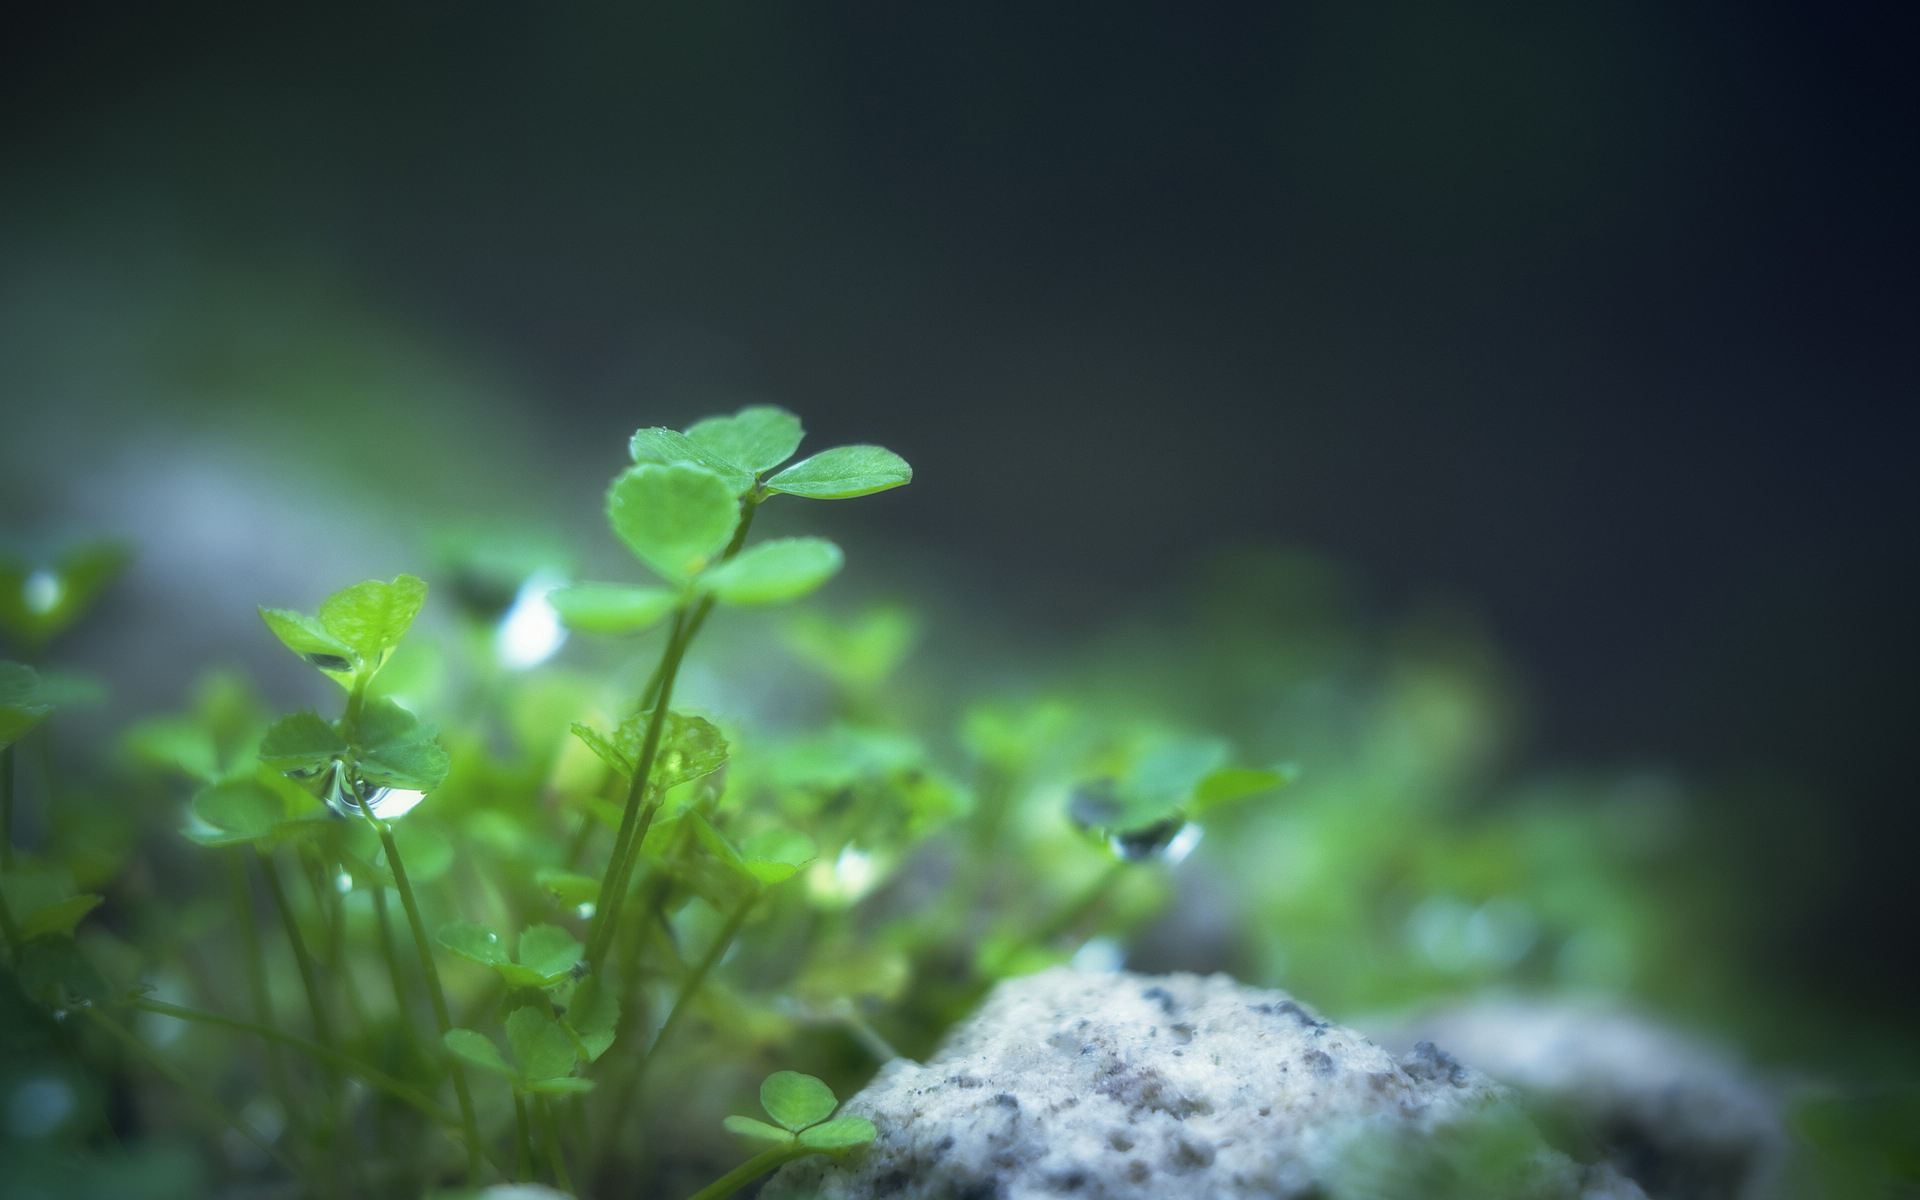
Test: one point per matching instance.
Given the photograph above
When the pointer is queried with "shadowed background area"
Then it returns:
(1587, 317)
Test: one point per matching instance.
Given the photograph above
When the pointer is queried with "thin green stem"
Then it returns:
(9, 929)
(690, 986)
(523, 1161)
(469, 1124)
(682, 1001)
(373, 1076)
(255, 959)
(748, 1171)
(316, 1005)
(309, 978)
(391, 955)
(637, 816)
(185, 1083)
(556, 1153)
(6, 807)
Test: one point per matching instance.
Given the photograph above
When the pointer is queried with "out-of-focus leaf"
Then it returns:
(774, 572)
(612, 607)
(397, 751)
(541, 1049)
(477, 1049)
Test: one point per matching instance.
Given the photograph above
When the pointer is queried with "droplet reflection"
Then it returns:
(382, 803)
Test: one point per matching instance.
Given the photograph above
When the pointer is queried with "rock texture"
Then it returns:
(1682, 1120)
(1117, 1086)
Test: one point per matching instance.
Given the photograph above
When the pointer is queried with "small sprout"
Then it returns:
(545, 957)
(356, 628)
(801, 1107)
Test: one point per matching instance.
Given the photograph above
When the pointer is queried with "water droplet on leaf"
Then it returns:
(382, 803)
(1149, 841)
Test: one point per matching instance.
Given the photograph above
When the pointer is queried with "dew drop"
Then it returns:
(343, 883)
(585, 910)
(382, 803)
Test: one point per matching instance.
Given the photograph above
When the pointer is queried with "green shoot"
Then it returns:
(802, 1108)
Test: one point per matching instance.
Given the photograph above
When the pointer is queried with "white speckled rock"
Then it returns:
(1685, 1121)
(1117, 1086)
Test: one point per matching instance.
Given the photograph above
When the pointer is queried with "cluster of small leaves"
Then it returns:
(679, 508)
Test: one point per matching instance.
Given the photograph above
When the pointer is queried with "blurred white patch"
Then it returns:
(1182, 843)
(531, 632)
(846, 879)
(39, 1106)
(42, 592)
(1099, 954)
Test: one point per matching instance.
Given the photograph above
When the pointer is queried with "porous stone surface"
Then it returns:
(1116, 1086)
(1684, 1120)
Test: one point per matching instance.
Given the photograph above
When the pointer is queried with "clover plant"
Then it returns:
(493, 949)
(802, 1108)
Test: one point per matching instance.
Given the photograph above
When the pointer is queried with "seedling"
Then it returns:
(802, 1108)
